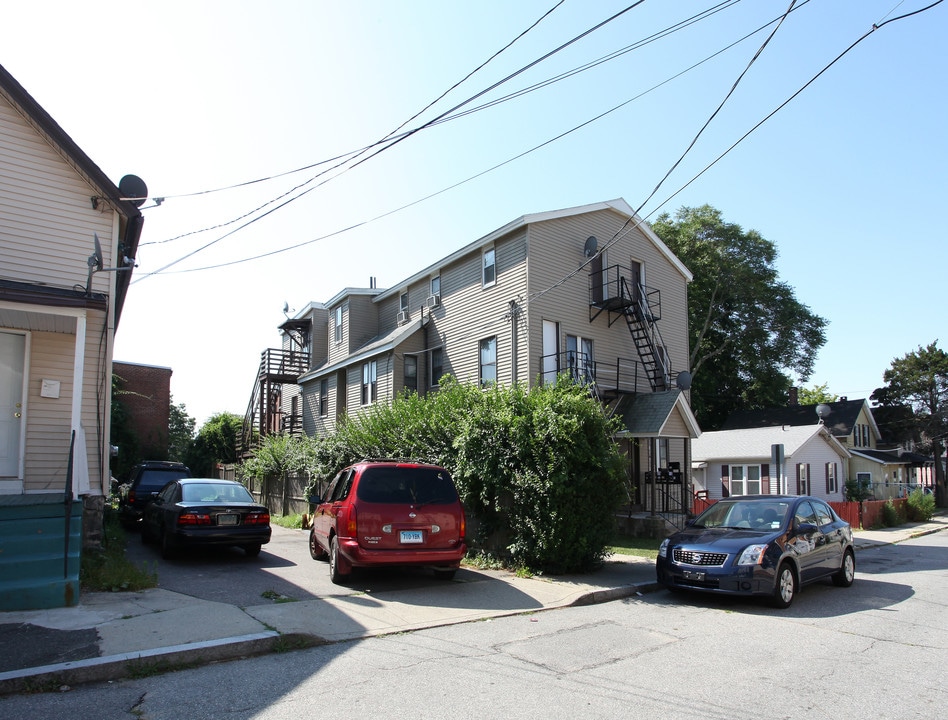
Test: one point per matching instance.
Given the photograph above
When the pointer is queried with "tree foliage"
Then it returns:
(537, 471)
(747, 329)
(180, 432)
(918, 382)
(215, 442)
(816, 395)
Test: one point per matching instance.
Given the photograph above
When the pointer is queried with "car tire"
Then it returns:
(315, 549)
(847, 570)
(785, 586)
(445, 573)
(335, 574)
(252, 550)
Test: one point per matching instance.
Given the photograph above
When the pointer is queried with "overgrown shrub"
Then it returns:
(890, 515)
(919, 507)
(537, 471)
(107, 569)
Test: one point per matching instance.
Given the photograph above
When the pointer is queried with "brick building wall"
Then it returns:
(145, 391)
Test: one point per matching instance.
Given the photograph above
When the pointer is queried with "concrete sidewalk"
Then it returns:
(113, 635)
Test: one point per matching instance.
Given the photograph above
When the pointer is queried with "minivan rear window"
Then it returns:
(408, 485)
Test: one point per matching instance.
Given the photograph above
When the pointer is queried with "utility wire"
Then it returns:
(394, 141)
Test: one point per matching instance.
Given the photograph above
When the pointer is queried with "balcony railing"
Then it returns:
(616, 289)
(606, 379)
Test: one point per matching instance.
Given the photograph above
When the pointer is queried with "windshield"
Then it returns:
(744, 514)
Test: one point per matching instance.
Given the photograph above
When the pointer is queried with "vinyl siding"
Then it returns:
(48, 419)
(556, 251)
(46, 212)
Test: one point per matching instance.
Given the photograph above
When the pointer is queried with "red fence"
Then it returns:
(865, 515)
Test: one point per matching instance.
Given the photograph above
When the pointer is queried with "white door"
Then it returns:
(551, 348)
(12, 347)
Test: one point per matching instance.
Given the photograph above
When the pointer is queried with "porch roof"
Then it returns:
(654, 414)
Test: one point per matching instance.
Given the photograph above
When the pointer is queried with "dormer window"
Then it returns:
(337, 324)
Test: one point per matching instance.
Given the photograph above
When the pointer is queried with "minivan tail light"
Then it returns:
(352, 526)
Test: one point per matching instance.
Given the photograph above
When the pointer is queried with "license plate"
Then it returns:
(411, 536)
(226, 519)
(691, 575)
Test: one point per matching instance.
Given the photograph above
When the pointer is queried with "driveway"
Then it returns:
(283, 569)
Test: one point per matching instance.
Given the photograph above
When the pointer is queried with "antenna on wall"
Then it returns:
(96, 263)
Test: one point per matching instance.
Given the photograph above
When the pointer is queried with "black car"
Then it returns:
(759, 545)
(205, 511)
(142, 484)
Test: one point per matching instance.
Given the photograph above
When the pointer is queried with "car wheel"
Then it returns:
(335, 574)
(785, 586)
(847, 571)
(445, 573)
(315, 549)
(252, 550)
(167, 547)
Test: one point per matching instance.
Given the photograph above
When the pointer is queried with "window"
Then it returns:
(803, 479)
(832, 484)
(411, 373)
(488, 361)
(437, 366)
(337, 323)
(435, 285)
(403, 302)
(324, 397)
(369, 382)
(745, 479)
(579, 359)
(490, 268)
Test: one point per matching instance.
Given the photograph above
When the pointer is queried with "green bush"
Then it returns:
(919, 507)
(107, 569)
(537, 471)
(890, 515)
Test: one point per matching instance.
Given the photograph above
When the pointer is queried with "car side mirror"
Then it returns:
(805, 528)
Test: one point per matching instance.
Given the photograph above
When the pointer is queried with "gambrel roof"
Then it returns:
(840, 421)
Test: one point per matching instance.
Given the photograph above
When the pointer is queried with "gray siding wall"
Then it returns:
(556, 251)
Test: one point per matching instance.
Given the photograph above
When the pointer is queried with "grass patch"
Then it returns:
(640, 546)
(288, 521)
(108, 570)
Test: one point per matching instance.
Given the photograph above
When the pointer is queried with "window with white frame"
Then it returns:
(435, 286)
(324, 397)
(403, 302)
(489, 275)
(337, 323)
(745, 480)
(369, 382)
(832, 484)
(803, 480)
(488, 361)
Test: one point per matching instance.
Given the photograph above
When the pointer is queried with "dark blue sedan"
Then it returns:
(759, 545)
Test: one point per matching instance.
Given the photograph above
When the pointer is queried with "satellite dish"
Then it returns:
(683, 381)
(95, 260)
(286, 307)
(822, 411)
(133, 189)
(589, 249)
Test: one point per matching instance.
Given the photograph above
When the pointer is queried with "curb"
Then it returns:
(114, 667)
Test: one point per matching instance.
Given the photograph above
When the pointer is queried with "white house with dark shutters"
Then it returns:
(739, 462)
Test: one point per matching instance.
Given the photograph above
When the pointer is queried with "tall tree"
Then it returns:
(919, 381)
(216, 442)
(180, 432)
(747, 329)
(816, 395)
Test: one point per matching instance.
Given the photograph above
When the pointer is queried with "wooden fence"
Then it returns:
(287, 498)
(860, 515)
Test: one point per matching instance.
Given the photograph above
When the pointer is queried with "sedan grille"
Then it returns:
(705, 559)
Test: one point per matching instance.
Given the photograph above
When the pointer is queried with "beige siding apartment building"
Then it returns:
(590, 291)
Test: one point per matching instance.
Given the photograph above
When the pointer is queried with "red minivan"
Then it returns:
(377, 514)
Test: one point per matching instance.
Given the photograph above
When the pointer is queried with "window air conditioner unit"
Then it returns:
(434, 301)
(402, 317)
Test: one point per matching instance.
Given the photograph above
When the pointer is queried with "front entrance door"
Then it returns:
(12, 353)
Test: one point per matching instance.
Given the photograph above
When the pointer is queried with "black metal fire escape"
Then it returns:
(613, 290)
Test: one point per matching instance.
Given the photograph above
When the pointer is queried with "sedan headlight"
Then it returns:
(663, 548)
(752, 555)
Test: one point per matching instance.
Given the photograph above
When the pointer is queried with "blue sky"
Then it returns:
(846, 179)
